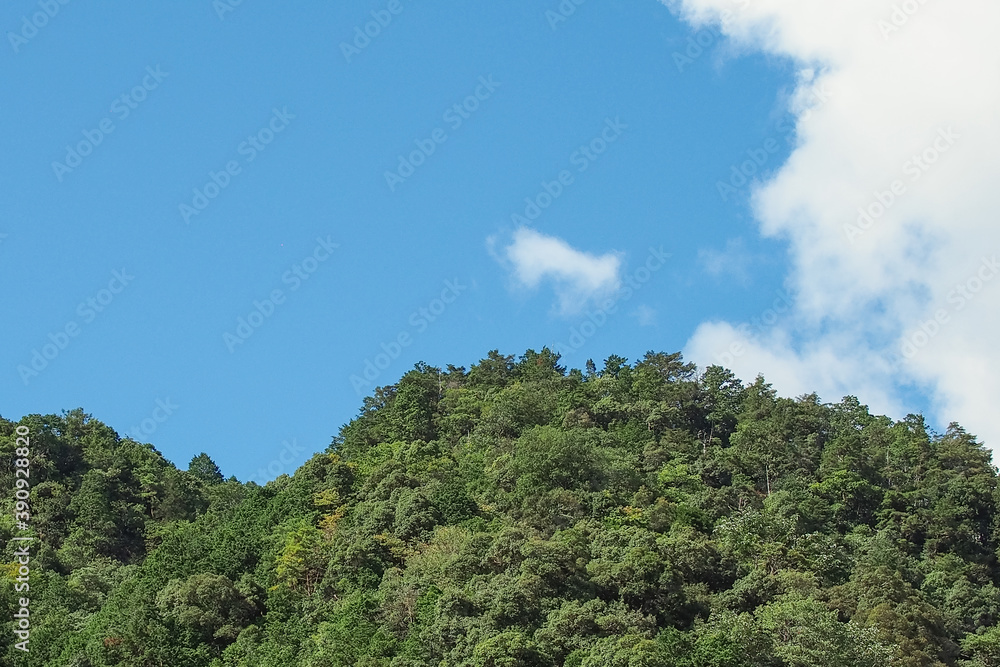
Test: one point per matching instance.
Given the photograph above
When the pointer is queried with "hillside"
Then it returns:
(517, 514)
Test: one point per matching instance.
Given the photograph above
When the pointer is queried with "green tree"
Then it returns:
(204, 468)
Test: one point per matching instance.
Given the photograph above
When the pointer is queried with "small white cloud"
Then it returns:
(577, 277)
(645, 315)
(733, 260)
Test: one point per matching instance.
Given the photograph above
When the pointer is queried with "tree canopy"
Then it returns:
(519, 514)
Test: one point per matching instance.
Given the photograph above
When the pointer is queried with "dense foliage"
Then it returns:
(517, 515)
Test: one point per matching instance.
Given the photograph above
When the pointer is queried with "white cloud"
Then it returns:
(645, 315)
(734, 260)
(910, 83)
(577, 277)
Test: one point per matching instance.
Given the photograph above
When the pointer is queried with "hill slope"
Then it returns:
(516, 515)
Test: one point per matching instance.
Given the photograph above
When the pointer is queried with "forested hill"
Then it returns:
(519, 515)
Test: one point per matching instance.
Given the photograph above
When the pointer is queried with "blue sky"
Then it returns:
(247, 159)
